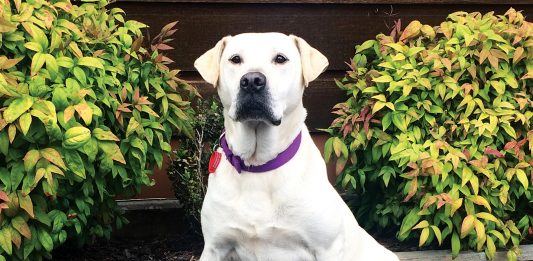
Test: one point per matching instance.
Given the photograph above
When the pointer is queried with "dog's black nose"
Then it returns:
(253, 82)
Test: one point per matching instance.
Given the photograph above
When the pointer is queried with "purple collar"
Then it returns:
(273, 164)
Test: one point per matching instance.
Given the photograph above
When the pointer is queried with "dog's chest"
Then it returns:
(278, 212)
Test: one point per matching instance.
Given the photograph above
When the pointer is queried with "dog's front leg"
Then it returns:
(212, 254)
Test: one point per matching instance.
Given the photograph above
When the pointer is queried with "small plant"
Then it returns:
(436, 136)
(189, 168)
(86, 113)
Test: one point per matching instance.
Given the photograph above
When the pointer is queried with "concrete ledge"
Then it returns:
(148, 204)
(445, 255)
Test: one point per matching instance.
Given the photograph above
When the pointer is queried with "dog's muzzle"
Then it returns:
(253, 101)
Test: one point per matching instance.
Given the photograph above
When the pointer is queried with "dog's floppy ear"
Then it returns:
(208, 65)
(313, 62)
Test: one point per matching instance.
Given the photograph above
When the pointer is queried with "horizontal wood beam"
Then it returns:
(333, 29)
(424, 2)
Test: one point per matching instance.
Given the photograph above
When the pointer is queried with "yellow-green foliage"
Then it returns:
(436, 136)
(86, 113)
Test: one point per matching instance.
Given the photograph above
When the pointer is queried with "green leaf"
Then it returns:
(377, 106)
(337, 146)
(399, 121)
(17, 107)
(54, 157)
(101, 134)
(386, 121)
(5, 240)
(490, 251)
(383, 79)
(508, 129)
(522, 177)
(21, 226)
(45, 240)
(438, 234)
(37, 63)
(34, 47)
(466, 175)
(132, 126)
(91, 149)
(4, 142)
(328, 149)
(408, 222)
(91, 62)
(26, 204)
(25, 122)
(75, 163)
(51, 65)
(65, 62)
(30, 159)
(456, 245)
(423, 236)
(422, 224)
(112, 150)
(367, 44)
(85, 112)
(467, 226)
(487, 216)
(479, 200)
(498, 86)
(17, 174)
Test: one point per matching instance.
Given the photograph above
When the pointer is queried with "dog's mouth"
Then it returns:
(257, 108)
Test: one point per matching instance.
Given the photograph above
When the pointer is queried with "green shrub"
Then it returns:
(189, 168)
(86, 113)
(436, 136)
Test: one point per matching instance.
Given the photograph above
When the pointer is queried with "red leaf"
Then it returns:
(364, 111)
(480, 163)
(510, 144)
(521, 143)
(466, 153)
(440, 203)
(170, 32)
(169, 26)
(494, 152)
(164, 47)
(412, 190)
(366, 126)
(166, 59)
(3, 196)
(412, 165)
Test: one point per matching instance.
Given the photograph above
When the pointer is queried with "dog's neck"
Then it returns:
(257, 142)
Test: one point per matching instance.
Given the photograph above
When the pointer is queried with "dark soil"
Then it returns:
(187, 248)
(178, 248)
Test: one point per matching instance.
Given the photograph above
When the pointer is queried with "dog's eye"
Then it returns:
(235, 59)
(280, 59)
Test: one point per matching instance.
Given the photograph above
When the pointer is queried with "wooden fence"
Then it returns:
(332, 26)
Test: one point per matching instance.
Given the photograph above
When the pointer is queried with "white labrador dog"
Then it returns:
(283, 207)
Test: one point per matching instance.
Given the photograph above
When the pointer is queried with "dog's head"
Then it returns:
(260, 76)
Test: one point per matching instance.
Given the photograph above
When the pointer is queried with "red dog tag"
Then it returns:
(214, 161)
